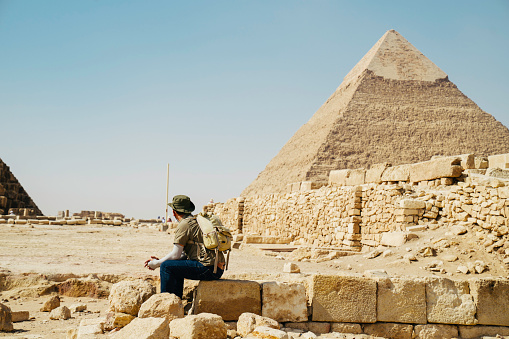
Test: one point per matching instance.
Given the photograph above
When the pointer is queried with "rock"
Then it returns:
(388, 330)
(432, 331)
(401, 300)
(462, 269)
(90, 327)
(450, 257)
(128, 296)
(78, 308)
(412, 204)
(428, 252)
(373, 254)
(410, 256)
(346, 328)
(387, 253)
(20, 316)
(449, 302)
(145, 328)
(492, 299)
(268, 332)
(203, 325)
(343, 298)
(162, 305)
(249, 321)
(312, 326)
(117, 320)
(228, 298)
(468, 332)
(446, 167)
(60, 313)
(379, 273)
(394, 239)
(284, 302)
(51, 304)
(291, 268)
(5, 319)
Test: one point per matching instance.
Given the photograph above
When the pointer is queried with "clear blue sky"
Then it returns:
(97, 96)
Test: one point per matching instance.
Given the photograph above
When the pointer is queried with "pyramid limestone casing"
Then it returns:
(394, 106)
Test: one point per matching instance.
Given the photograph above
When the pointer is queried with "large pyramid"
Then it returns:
(394, 106)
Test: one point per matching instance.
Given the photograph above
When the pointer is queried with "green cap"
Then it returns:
(182, 204)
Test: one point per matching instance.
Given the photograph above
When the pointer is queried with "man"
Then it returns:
(189, 258)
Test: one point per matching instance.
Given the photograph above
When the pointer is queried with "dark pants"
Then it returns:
(173, 273)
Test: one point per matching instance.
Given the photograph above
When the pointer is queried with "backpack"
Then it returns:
(216, 237)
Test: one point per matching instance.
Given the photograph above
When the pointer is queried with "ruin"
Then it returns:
(394, 106)
(13, 197)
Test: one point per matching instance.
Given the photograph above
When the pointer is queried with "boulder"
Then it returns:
(343, 298)
(228, 298)
(432, 331)
(78, 307)
(50, 304)
(265, 332)
(396, 173)
(203, 325)
(449, 302)
(145, 328)
(249, 321)
(284, 301)
(394, 239)
(128, 296)
(60, 313)
(401, 300)
(389, 330)
(5, 319)
(117, 320)
(491, 296)
(162, 305)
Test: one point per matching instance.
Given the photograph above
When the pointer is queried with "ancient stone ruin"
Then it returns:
(394, 106)
(13, 197)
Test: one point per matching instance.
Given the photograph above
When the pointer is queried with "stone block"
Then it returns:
(249, 321)
(338, 177)
(145, 328)
(468, 332)
(89, 328)
(432, 331)
(284, 301)
(447, 167)
(412, 204)
(499, 161)
(116, 320)
(128, 296)
(346, 328)
(18, 316)
(60, 313)
(397, 173)
(401, 300)
(394, 239)
(264, 332)
(356, 177)
(204, 325)
(374, 173)
(228, 298)
(449, 302)
(388, 330)
(343, 298)
(50, 304)
(296, 186)
(491, 296)
(261, 239)
(5, 318)
(310, 185)
(162, 305)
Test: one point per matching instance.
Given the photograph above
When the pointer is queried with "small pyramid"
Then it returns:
(13, 195)
(394, 106)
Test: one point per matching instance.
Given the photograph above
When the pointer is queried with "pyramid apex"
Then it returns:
(393, 57)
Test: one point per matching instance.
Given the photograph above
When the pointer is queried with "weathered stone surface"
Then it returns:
(312, 326)
(145, 328)
(128, 296)
(268, 333)
(356, 177)
(199, 326)
(432, 331)
(5, 319)
(338, 177)
(491, 296)
(396, 173)
(249, 321)
(61, 312)
(284, 301)
(117, 320)
(374, 173)
(389, 330)
(291, 268)
(18, 316)
(228, 298)
(468, 332)
(499, 161)
(92, 288)
(78, 307)
(90, 327)
(436, 169)
(401, 300)
(346, 328)
(162, 305)
(394, 239)
(339, 298)
(50, 304)
(449, 302)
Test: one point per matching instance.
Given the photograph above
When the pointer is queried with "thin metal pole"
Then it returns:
(167, 188)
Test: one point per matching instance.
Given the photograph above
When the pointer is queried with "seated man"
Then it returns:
(189, 258)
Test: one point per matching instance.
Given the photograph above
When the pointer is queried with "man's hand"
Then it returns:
(149, 264)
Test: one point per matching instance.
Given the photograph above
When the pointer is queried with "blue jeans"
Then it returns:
(173, 273)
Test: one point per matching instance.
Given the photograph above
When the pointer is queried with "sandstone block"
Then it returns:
(394, 239)
(310, 185)
(162, 305)
(50, 304)
(356, 177)
(5, 319)
(339, 298)
(401, 300)
(61, 312)
(260, 239)
(296, 186)
(78, 308)
(388, 330)
(128, 296)
(449, 302)
(498, 161)
(312, 326)
(145, 328)
(268, 332)
(492, 298)
(249, 321)
(468, 332)
(338, 177)
(396, 173)
(291, 268)
(117, 320)
(346, 328)
(90, 327)
(203, 325)
(412, 204)
(228, 298)
(374, 173)
(284, 301)
(432, 331)
(18, 316)
(435, 169)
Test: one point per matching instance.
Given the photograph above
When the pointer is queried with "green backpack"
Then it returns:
(216, 237)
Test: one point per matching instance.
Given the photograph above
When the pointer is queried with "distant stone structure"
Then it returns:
(13, 197)
(394, 106)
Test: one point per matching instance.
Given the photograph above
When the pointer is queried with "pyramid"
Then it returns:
(13, 195)
(394, 106)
